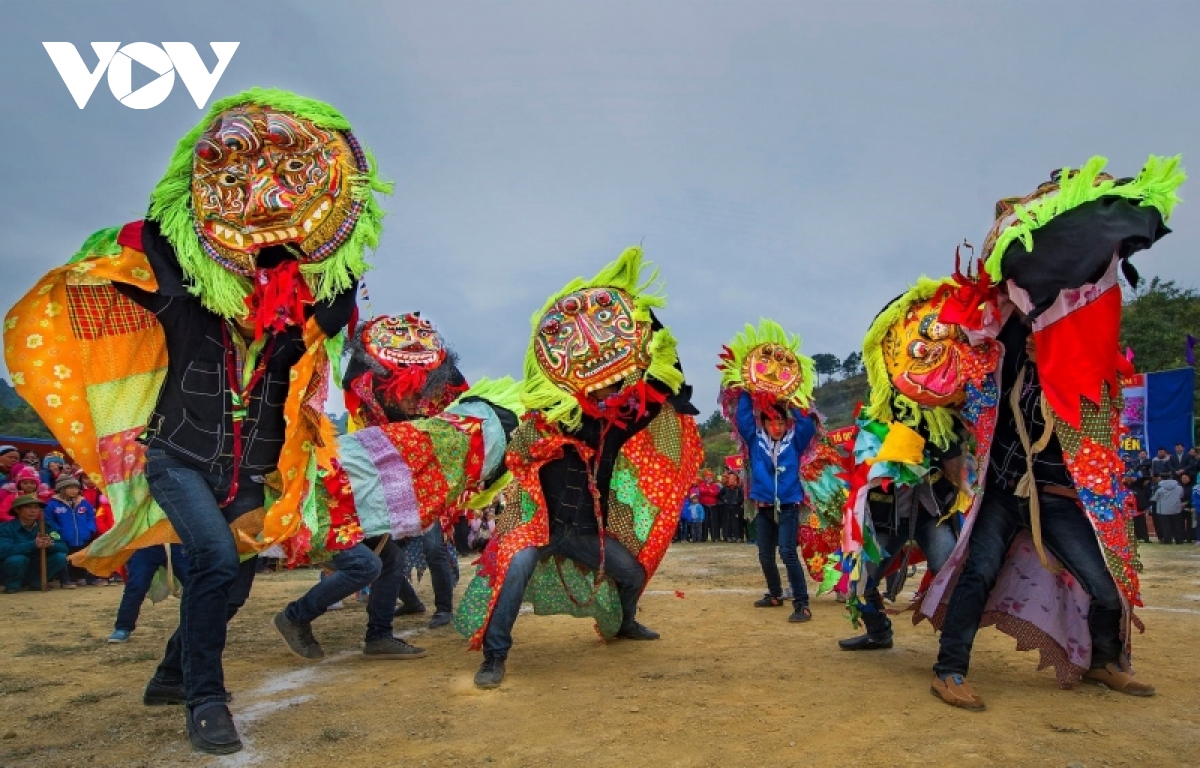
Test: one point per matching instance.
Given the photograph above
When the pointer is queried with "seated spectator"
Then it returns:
(52, 469)
(20, 540)
(9, 457)
(75, 520)
(140, 570)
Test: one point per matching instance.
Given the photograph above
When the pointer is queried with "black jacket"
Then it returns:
(193, 418)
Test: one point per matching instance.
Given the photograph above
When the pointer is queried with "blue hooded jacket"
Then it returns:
(76, 526)
(774, 467)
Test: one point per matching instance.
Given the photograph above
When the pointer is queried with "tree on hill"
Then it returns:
(827, 365)
(853, 364)
(1155, 324)
(714, 424)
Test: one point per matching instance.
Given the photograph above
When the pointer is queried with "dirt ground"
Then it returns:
(728, 685)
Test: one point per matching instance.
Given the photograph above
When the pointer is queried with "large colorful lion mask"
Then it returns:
(268, 168)
(594, 335)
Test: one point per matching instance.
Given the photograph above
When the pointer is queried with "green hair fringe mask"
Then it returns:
(655, 358)
(223, 291)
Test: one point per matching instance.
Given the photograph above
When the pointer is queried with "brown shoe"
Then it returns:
(1117, 679)
(957, 692)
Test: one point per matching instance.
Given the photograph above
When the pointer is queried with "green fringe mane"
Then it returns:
(220, 290)
(886, 404)
(768, 332)
(504, 392)
(1154, 186)
(625, 274)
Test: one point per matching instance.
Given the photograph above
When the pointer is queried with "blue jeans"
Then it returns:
(355, 569)
(937, 544)
(784, 535)
(26, 570)
(619, 564)
(1066, 533)
(139, 574)
(440, 572)
(218, 581)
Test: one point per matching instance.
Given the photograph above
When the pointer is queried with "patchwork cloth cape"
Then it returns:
(1046, 609)
(91, 363)
(403, 478)
(651, 476)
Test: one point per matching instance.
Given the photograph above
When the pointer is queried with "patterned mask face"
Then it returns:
(772, 369)
(405, 341)
(928, 360)
(262, 177)
(589, 340)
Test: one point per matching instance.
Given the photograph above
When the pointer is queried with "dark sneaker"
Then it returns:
(440, 619)
(865, 643)
(299, 637)
(211, 730)
(391, 648)
(800, 615)
(159, 693)
(11, 590)
(404, 609)
(491, 672)
(768, 601)
(636, 631)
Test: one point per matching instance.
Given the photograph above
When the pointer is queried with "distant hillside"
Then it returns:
(8, 396)
(16, 417)
(836, 400)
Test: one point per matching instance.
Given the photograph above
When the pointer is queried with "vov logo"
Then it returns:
(118, 60)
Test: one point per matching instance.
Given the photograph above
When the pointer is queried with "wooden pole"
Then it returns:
(42, 532)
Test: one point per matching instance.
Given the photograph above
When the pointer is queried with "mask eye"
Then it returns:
(604, 315)
(228, 179)
(295, 165)
(918, 350)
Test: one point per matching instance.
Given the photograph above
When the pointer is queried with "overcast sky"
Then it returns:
(799, 161)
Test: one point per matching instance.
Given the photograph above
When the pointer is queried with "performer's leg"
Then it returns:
(497, 640)
(768, 538)
(440, 574)
(354, 569)
(997, 522)
(216, 586)
(619, 563)
(381, 605)
(788, 532)
(139, 570)
(1068, 534)
(410, 601)
(936, 540)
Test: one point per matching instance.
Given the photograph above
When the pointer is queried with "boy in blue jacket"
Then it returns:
(775, 439)
(75, 519)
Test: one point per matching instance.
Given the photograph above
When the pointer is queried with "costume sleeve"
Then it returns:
(335, 315)
(806, 429)
(150, 301)
(746, 425)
